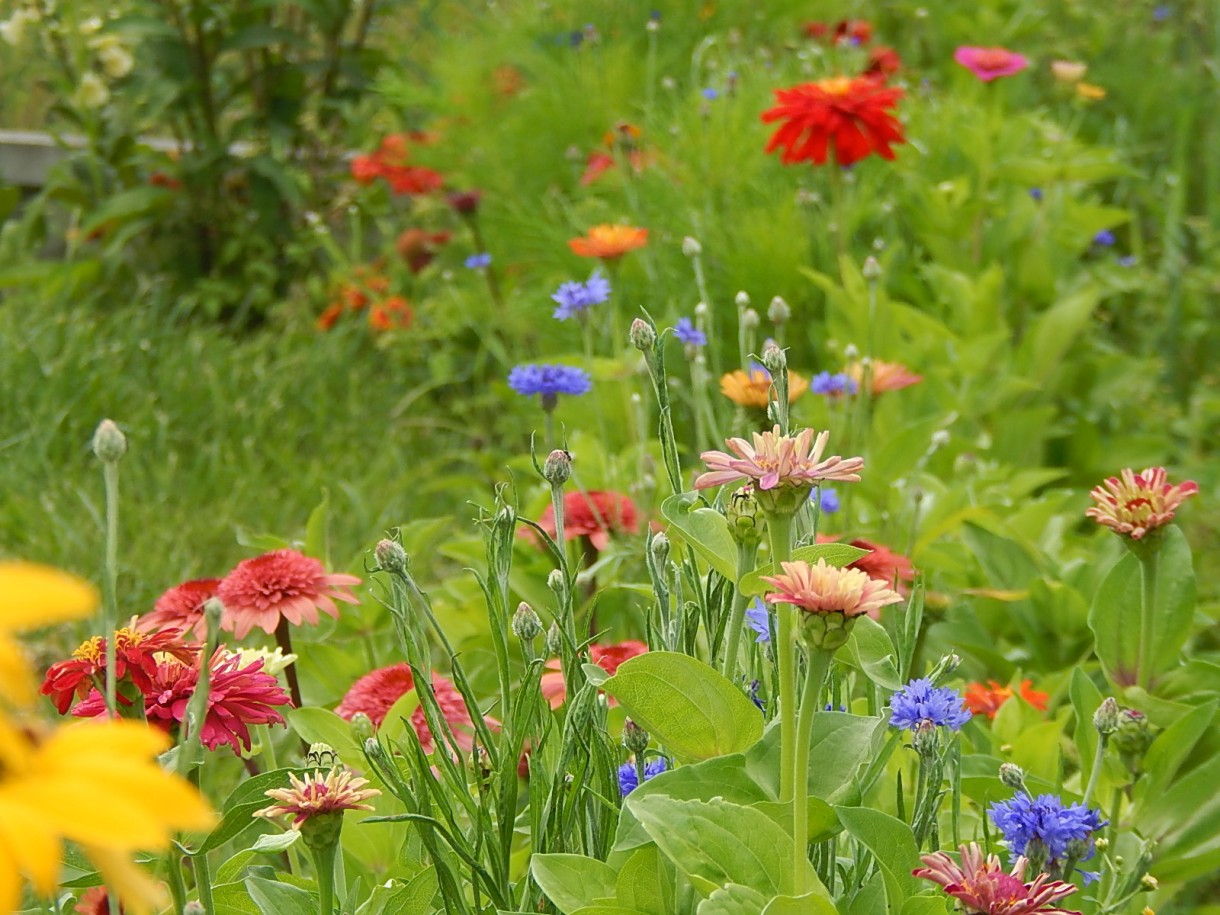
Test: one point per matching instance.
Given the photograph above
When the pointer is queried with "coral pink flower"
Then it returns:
(375, 693)
(181, 607)
(986, 700)
(318, 795)
(883, 564)
(887, 376)
(823, 588)
(280, 584)
(607, 657)
(1133, 503)
(990, 63)
(778, 460)
(850, 115)
(596, 515)
(984, 889)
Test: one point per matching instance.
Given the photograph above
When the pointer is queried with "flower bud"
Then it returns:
(742, 299)
(194, 907)
(944, 667)
(635, 738)
(1013, 776)
(691, 247)
(851, 352)
(926, 740)
(554, 641)
(362, 726)
(749, 319)
(556, 583)
(660, 550)
(322, 755)
(1132, 736)
(1101, 844)
(109, 443)
(1036, 853)
(774, 358)
(778, 311)
(1148, 883)
(390, 556)
(701, 309)
(642, 336)
(558, 467)
(746, 519)
(1105, 719)
(871, 269)
(526, 624)
(825, 631)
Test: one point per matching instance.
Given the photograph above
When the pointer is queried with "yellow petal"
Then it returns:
(16, 678)
(35, 849)
(33, 595)
(10, 881)
(107, 739)
(138, 892)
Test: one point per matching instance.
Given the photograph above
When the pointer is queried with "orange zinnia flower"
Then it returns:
(986, 700)
(609, 242)
(754, 389)
(850, 114)
(887, 376)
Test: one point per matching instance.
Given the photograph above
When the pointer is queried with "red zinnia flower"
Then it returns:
(390, 162)
(375, 693)
(328, 318)
(607, 657)
(280, 584)
(595, 515)
(181, 607)
(850, 114)
(883, 62)
(391, 313)
(986, 700)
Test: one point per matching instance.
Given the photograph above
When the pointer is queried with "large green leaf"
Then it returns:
(704, 529)
(733, 899)
(809, 904)
(892, 844)
(1183, 822)
(839, 746)
(573, 881)
(835, 554)
(691, 709)
(239, 807)
(643, 883)
(870, 649)
(320, 725)
(274, 898)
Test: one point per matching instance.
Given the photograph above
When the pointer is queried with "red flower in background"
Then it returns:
(391, 313)
(883, 62)
(181, 607)
(282, 584)
(853, 31)
(390, 163)
(418, 247)
(986, 700)
(607, 657)
(847, 116)
(595, 515)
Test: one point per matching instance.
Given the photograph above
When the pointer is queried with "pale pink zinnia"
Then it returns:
(1136, 503)
(990, 63)
(775, 460)
(983, 888)
(181, 607)
(314, 795)
(824, 588)
(282, 584)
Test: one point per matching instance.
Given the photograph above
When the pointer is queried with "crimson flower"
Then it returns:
(982, 887)
(282, 584)
(596, 514)
(849, 115)
(390, 162)
(418, 247)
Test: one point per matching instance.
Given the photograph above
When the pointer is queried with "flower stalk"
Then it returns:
(1149, 560)
(779, 530)
(815, 677)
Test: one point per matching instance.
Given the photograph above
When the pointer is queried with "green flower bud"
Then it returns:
(926, 739)
(871, 269)
(642, 336)
(526, 624)
(822, 631)
(109, 443)
(779, 311)
(944, 667)
(660, 550)
(1105, 719)
(746, 519)
(1013, 776)
(362, 727)
(390, 556)
(635, 738)
(554, 641)
(322, 755)
(774, 358)
(558, 467)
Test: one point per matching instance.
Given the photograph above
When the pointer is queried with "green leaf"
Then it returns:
(835, 554)
(893, 846)
(238, 809)
(809, 904)
(849, 740)
(316, 544)
(1172, 747)
(822, 821)
(415, 898)
(926, 905)
(275, 898)
(643, 883)
(260, 36)
(687, 706)
(128, 205)
(1085, 700)
(704, 529)
(1183, 821)
(573, 881)
(233, 899)
(320, 725)
(1054, 332)
(271, 844)
(733, 899)
(870, 649)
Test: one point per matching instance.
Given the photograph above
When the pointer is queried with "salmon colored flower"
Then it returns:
(823, 588)
(609, 242)
(983, 888)
(773, 460)
(986, 700)
(753, 389)
(607, 657)
(887, 376)
(1133, 504)
(850, 116)
(595, 515)
(392, 313)
(319, 795)
(282, 584)
(990, 63)
(181, 607)
(375, 693)
(95, 901)
(883, 564)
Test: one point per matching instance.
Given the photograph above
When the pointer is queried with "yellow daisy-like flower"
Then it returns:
(753, 389)
(33, 595)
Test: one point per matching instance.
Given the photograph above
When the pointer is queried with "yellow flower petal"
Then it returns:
(10, 881)
(33, 595)
(16, 678)
(35, 849)
(139, 893)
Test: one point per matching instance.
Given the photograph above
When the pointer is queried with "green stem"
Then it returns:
(203, 880)
(1149, 566)
(815, 676)
(1097, 761)
(110, 580)
(324, 865)
(779, 529)
(173, 873)
(737, 615)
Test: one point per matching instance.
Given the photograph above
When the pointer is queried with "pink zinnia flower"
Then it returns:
(1136, 503)
(607, 657)
(886, 376)
(778, 460)
(181, 607)
(375, 693)
(823, 588)
(280, 584)
(318, 795)
(595, 515)
(984, 889)
(990, 63)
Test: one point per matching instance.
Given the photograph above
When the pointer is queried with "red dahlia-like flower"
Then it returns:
(607, 657)
(596, 515)
(375, 693)
(850, 115)
(280, 584)
(983, 888)
(181, 607)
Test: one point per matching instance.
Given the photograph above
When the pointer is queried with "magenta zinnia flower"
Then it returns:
(824, 588)
(990, 63)
(181, 607)
(317, 795)
(280, 584)
(775, 460)
(1136, 503)
(982, 887)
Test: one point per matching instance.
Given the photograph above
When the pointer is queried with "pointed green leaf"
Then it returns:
(572, 881)
(893, 846)
(704, 529)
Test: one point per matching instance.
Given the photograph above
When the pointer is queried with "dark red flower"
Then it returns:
(883, 62)
(465, 203)
(595, 515)
(181, 607)
(847, 115)
(418, 247)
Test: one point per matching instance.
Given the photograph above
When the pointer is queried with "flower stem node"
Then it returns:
(526, 624)
(557, 469)
(825, 631)
(642, 336)
(1105, 719)
(747, 522)
(635, 738)
(390, 556)
(109, 442)
(1013, 776)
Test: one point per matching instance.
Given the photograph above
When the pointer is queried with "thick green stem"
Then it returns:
(110, 580)
(737, 616)
(819, 664)
(203, 880)
(324, 864)
(1149, 566)
(779, 529)
(1097, 761)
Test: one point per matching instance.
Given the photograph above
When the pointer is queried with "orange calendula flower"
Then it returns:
(318, 795)
(608, 242)
(1133, 504)
(753, 388)
(846, 115)
(887, 376)
(986, 700)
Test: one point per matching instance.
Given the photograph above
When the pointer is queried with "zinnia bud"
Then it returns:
(526, 624)
(558, 467)
(746, 519)
(322, 755)
(642, 336)
(109, 442)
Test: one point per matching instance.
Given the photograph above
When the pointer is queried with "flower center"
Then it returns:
(994, 59)
(836, 85)
(92, 650)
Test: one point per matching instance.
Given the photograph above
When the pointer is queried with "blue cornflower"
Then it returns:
(1035, 194)
(574, 298)
(686, 331)
(758, 619)
(758, 703)
(629, 780)
(710, 94)
(478, 261)
(828, 499)
(1046, 818)
(1104, 238)
(832, 385)
(920, 701)
(549, 381)
(1129, 260)
(1161, 13)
